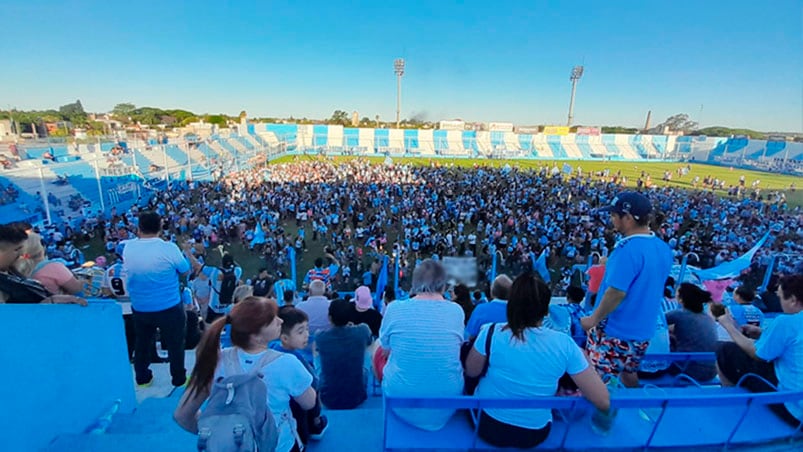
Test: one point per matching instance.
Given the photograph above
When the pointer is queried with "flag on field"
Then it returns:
(291, 256)
(381, 283)
(259, 235)
(732, 268)
(567, 168)
(539, 265)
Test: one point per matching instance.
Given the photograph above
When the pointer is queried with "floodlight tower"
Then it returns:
(398, 68)
(577, 72)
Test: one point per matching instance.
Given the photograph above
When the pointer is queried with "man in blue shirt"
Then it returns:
(494, 311)
(620, 328)
(153, 267)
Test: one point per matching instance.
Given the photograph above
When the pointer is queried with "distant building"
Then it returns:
(355, 119)
(455, 124)
(6, 130)
(500, 126)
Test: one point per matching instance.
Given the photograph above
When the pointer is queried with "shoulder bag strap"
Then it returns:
(231, 362)
(267, 358)
(488, 349)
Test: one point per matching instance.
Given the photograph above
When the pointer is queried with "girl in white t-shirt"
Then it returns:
(527, 360)
(254, 323)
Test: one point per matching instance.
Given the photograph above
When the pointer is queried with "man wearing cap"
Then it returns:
(620, 328)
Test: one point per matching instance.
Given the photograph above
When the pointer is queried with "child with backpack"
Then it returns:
(293, 340)
(248, 386)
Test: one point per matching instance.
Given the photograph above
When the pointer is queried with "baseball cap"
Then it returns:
(630, 202)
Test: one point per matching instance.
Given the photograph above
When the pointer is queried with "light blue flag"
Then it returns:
(291, 256)
(567, 168)
(381, 282)
(259, 235)
(732, 268)
(539, 265)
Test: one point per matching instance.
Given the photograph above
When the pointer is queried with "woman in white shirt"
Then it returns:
(254, 323)
(527, 360)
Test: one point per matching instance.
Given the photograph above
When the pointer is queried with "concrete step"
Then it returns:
(151, 442)
(357, 429)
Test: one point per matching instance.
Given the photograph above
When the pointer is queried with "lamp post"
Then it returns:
(398, 68)
(577, 72)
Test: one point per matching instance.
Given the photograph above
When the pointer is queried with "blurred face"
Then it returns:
(298, 337)
(9, 252)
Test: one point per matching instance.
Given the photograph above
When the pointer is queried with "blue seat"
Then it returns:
(646, 418)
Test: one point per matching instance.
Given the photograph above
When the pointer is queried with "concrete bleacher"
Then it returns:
(569, 145)
(244, 142)
(176, 154)
(68, 370)
(221, 151)
(81, 175)
(553, 141)
(26, 207)
(646, 418)
(78, 390)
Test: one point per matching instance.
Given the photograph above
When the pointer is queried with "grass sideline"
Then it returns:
(631, 170)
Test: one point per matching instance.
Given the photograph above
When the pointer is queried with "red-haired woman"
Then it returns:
(254, 323)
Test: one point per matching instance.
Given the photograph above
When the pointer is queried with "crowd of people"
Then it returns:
(8, 194)
(358, 212)
(312, 353)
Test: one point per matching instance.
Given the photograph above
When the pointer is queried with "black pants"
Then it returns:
(172, 323)
(505, 435)
(131, 340)
(734, 363)
(305, 419)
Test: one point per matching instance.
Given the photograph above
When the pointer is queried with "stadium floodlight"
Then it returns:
(577, 72)
(398, 68)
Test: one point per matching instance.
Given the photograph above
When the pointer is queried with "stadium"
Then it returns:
(180, 281)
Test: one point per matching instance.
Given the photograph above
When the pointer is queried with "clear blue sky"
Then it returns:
(476, 60)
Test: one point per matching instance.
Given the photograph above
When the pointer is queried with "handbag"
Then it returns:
(470, 383)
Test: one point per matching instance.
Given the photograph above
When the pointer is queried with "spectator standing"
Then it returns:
(623, 321)
(154, 267)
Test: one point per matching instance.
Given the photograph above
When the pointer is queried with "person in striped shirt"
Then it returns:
(421, 337)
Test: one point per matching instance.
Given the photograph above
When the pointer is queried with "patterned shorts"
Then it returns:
(612, 356)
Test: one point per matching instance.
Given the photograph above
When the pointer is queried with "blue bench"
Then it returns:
(675, 417)
(682, 359)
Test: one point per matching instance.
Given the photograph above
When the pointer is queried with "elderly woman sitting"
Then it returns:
(422, 336)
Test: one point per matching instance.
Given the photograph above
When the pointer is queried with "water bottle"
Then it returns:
(602, 421)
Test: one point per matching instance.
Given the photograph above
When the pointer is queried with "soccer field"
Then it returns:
(630, 170)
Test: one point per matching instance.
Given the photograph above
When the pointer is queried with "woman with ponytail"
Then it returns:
(254, 323)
